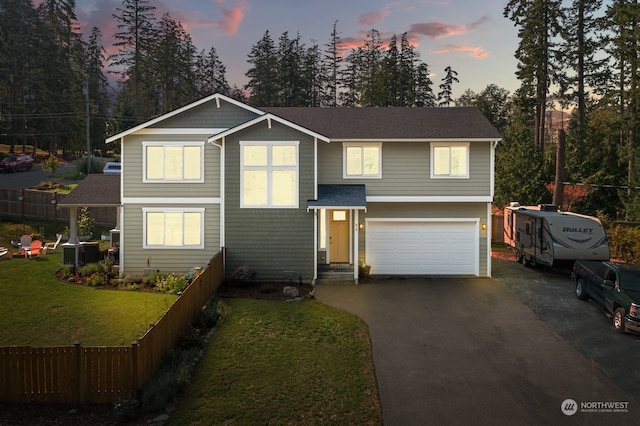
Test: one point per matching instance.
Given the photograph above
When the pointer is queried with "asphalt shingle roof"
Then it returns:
(95, 190)
(339, 196)
(391, 122)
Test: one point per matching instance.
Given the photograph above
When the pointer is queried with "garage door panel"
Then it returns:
(422, 248)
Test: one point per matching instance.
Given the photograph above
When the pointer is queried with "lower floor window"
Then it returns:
(173, 228)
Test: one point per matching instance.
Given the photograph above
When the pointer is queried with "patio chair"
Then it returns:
(52, 246)
(25, 243)
(35, 249)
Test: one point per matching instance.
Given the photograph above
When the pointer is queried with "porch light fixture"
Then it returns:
(361, 226)
(484, 226)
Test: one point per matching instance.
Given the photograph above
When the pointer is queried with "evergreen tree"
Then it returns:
(262, 75)
(212, 74)
(62, 76)
(98, 86)
(172, 64)
(20, 70)
(538, 22)
(446, 87)
(134, 39)
(332, 63)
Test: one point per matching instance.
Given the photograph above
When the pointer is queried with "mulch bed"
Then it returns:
(266, 290)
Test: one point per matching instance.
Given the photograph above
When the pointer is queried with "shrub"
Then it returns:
(68, 271)
(191, 275)
(153, 278)
(192, 337)
(244, 275)
(97, 279)
(125, 410)
(624, 243)
(171, 284)
(86, 222)
(267, 288)
(133, 279)
(93, 268)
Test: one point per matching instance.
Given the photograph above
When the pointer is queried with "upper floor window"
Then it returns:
(173, 162)
(362, 160)
(173, 228)
(449, 160)
(269, 174)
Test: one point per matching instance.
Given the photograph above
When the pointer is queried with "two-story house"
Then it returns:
(287, 191)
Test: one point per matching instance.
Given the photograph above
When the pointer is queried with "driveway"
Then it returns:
(468, 351)
(33, 177)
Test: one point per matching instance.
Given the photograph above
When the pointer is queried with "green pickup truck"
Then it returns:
(614, 286)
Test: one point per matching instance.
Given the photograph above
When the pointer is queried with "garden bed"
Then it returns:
(271, 290)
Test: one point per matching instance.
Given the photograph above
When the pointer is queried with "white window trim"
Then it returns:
(183, 144)
(270, 168)
(361, 145)
(172, 210)
(448, 145)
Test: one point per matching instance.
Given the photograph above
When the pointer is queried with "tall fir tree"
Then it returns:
(262, 75)
(135, 36)
(446, 87)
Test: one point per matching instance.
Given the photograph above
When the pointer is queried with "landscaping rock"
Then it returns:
(159, 421)
(290, 291)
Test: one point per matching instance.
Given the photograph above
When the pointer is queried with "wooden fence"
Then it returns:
(77, 374)
(43, 205)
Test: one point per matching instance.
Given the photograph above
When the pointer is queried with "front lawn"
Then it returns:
(38, 310)
(280, 363)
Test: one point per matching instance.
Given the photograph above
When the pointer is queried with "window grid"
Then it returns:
(269, 174)
(173, 228)
(169, 162)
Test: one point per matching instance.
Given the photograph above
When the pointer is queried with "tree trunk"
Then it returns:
(558, 193)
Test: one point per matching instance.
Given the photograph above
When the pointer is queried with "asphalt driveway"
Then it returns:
(467, 351)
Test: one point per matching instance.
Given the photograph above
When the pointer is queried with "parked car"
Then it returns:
(15, 162)
(615, 287)
(112, 168)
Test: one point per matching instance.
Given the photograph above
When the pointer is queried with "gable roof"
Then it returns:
(216, 96)
(389, 123)
(95, 190)
(268, 117)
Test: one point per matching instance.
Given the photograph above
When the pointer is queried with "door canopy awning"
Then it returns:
(339, 196)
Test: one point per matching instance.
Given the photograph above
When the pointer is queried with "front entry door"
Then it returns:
(339, 236)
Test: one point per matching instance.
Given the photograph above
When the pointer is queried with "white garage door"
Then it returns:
(422, 248)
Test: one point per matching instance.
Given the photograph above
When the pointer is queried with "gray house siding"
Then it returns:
(406, 171)
(429, 210)
(277, 243)
(208, 115)
(178, 261)
(132, 158)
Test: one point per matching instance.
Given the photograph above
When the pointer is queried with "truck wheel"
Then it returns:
(518, 256)
(618, 320)
(580, 292)
(524, 261)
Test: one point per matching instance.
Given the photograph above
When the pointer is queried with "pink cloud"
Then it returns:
(373, 18)
(439, 29)
(436, 30)
(233, 18)
(477, 52)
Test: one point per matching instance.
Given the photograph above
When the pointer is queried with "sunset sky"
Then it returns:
(469, 35)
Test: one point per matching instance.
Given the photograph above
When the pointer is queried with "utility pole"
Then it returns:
(85, 92)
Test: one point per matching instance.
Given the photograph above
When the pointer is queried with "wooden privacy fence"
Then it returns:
(77, 374)
(43, 205)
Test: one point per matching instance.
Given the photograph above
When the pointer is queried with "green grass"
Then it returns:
(283, 363)
(38, 310)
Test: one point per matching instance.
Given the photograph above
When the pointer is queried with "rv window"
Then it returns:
(528, 229)
(510, 218)
(518, 236)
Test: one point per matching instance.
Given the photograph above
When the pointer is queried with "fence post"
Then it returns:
(134, 370)
(79, 394)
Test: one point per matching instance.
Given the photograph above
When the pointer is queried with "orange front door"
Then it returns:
(339, 236)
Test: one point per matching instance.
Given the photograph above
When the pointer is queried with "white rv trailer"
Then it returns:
(543, 235)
